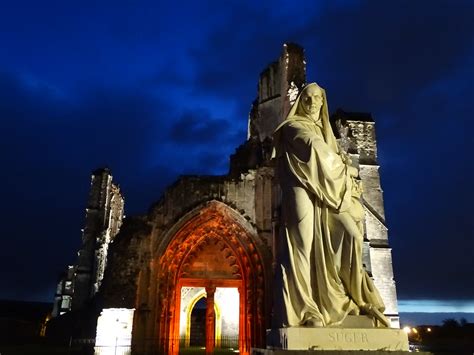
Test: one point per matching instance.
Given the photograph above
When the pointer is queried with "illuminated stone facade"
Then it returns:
(205, 233)
(104, 215)
(209, 235)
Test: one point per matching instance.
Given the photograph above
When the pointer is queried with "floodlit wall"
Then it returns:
(114, 332)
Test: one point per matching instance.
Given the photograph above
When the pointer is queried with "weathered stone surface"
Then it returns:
(303, 338)
(382, 272)
(128, 255)
(278, 83)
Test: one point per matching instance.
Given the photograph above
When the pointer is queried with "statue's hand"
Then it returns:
(357, 210)
(357, 188)
(352, 171)
(346, 159)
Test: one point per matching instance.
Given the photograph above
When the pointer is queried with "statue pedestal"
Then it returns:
(304, 338)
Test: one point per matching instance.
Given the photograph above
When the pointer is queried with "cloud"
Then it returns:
(236, 50)
(48, 148)
(390, 51)
(424, 157)
(198, 127)
(386, 52)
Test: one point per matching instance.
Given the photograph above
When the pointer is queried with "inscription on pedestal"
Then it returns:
(301, 338)
(355, 337)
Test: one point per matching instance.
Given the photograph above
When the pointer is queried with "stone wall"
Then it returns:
(142, 239)
(278, 83)
(129, 254)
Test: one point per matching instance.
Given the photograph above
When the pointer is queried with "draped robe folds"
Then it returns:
(320, 252)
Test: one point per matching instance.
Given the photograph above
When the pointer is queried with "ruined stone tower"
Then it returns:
(103, 218)
(213, 237)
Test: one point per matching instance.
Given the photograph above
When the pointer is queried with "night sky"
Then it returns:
(154, 91)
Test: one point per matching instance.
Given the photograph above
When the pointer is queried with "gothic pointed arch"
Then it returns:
(210, 246)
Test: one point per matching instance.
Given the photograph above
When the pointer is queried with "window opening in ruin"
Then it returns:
(197, 335)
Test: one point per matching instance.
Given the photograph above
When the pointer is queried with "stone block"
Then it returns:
(357, 322)
(328, 338)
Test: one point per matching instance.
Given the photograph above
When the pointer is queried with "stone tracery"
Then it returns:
(213, 248)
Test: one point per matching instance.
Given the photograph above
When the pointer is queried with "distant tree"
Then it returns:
(463, 322)
(450, 323)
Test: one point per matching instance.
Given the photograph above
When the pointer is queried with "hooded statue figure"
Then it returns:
(320, 276)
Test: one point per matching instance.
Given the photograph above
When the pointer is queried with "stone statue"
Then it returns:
(322, 279)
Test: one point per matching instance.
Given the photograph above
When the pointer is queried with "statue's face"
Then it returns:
(311, 101)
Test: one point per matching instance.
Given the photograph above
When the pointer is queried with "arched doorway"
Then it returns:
(214, 248)
(197, 325)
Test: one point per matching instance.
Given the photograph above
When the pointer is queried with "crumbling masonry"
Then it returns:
(219, 231)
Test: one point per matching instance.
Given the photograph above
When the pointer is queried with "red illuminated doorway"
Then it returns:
(213, 248)
(221, 318)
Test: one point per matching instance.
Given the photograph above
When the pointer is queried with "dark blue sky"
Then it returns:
(156, 90)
